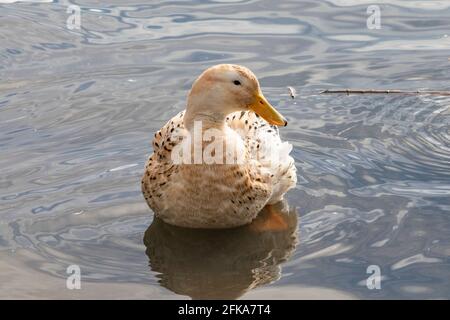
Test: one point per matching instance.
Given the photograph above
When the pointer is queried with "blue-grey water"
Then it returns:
(78, 109)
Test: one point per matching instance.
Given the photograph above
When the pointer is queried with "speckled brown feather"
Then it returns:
(210, 196)
(219, 195)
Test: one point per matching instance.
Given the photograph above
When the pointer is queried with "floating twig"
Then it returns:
(372, 91)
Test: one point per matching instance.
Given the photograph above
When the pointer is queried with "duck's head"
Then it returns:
(227, 88)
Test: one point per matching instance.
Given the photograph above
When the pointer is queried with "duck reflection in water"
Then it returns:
(222, 264)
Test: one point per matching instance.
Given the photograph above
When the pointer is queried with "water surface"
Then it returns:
(78, 109)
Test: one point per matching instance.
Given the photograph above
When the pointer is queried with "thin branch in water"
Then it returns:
(372, 91)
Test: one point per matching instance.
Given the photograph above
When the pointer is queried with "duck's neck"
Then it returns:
(207, 121)
(203, 114)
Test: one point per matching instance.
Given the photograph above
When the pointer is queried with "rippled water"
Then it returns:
(78, 109)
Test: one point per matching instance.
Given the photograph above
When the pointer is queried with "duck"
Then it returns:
(220, 161)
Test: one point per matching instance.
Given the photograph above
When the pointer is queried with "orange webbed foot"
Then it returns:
(269, 220)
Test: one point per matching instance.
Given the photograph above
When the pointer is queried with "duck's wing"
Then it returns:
(159, 167)
(267, 151)
(168, 136)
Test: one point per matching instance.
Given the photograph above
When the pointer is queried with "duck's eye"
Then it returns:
(237, 82)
